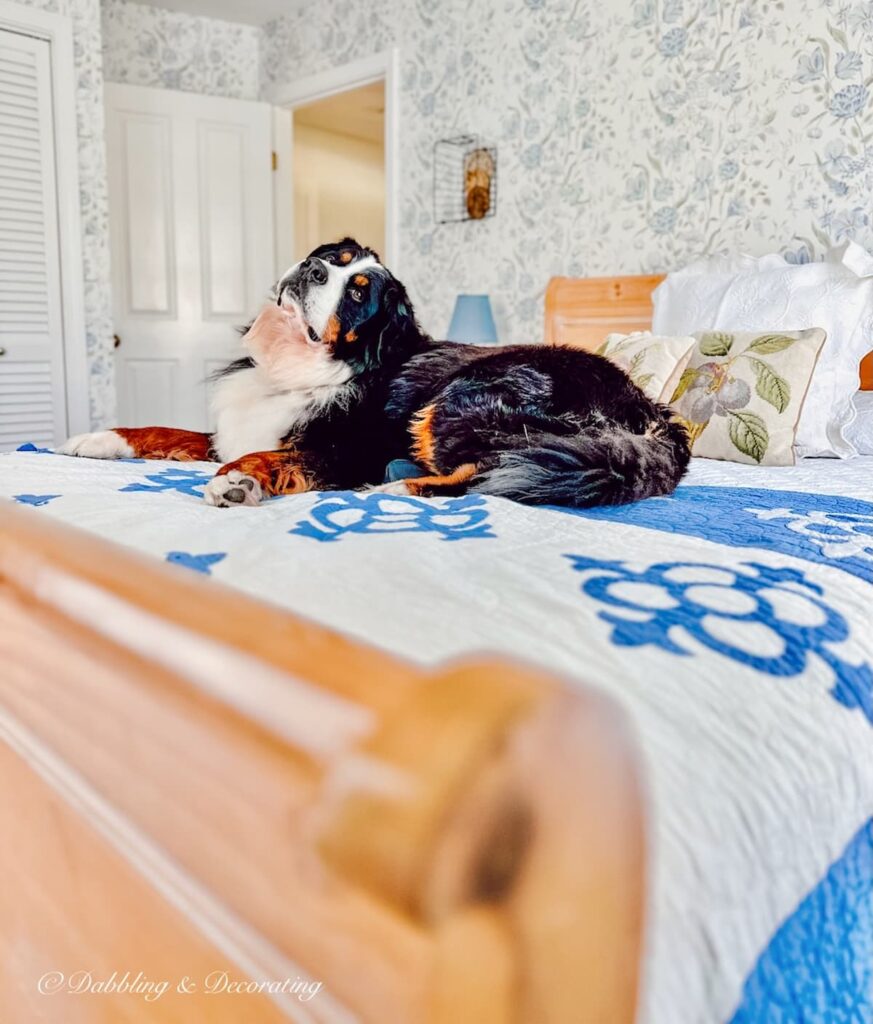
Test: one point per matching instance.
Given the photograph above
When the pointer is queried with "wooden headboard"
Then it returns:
(582, 311)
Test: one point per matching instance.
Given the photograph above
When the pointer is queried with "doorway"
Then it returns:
(335, 135)
(339, 169)
(198, 233)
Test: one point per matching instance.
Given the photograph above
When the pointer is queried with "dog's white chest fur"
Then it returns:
(252, 417)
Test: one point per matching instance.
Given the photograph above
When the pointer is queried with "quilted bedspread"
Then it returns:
(732, 620)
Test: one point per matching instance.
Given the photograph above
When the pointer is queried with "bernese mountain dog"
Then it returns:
(340, 380)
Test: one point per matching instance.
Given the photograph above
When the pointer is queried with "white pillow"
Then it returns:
(770, 293)
(860, 433)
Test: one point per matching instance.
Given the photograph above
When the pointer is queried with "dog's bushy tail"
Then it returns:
(603, 465)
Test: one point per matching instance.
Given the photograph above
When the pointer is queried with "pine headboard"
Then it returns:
(581, 311)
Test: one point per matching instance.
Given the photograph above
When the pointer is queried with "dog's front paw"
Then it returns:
(102, 444)
(232, 489)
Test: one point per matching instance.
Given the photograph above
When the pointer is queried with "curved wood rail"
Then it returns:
(196, 782)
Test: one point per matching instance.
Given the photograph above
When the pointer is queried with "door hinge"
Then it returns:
(275, 160)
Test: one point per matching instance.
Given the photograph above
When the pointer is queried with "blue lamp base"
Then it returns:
(473, 321)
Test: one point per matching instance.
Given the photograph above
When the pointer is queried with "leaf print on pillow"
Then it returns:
(616, 342)
(743, 406)
(689, 376)
(716, 343)
(767, 344)
(749, 434)
(770, 386)
(635, 363)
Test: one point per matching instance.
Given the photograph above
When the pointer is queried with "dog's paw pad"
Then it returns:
(230, 490)
(101, 444)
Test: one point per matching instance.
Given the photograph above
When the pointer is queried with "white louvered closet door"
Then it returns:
(32, 392)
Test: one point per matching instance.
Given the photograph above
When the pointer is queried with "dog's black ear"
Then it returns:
(399, 335)
(390, 335)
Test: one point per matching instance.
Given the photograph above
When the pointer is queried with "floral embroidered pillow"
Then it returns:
(742, 392)
(653, 362)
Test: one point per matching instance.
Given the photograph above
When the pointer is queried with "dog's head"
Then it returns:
(350, 305)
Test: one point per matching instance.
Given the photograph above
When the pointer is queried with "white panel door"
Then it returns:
(191, 221)
(32, 384)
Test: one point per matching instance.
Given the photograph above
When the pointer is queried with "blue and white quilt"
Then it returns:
(733, 621)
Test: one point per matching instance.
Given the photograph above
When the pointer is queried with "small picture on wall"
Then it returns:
(465, 179)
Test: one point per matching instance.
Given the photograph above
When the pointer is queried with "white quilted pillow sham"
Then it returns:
(746, 294)
(860, 432)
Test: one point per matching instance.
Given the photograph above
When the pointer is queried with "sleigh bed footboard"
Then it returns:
(202, 790)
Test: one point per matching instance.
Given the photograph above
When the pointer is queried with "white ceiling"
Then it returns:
(251, 12)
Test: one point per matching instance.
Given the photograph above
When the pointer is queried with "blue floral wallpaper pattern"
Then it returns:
(634, 135)
(144, 45)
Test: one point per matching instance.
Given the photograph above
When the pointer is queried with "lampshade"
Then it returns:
(472, 321)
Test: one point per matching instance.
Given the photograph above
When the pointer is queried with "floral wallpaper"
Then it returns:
(633, 135)
(145, 45)
(85, 15)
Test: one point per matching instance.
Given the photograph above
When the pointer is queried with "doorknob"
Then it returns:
(116, 341)
(2, 351)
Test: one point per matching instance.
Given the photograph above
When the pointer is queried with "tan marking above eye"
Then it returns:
(351, 336)
(361, 280)
(345, 257)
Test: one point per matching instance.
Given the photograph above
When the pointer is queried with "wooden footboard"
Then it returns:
(213, 810)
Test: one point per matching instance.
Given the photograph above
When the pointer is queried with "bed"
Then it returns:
(663, 741)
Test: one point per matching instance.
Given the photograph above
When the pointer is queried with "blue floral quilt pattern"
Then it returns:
(665, 600)
(818, 967)
(660, 604)
(338, 514)
(688, 607)
(820, 528)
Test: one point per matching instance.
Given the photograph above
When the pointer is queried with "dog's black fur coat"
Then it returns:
(540, 424)
(543, 424)
(342, 380)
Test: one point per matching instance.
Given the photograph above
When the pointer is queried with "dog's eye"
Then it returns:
(356, 294)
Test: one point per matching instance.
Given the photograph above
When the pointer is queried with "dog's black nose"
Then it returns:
(314, 270)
